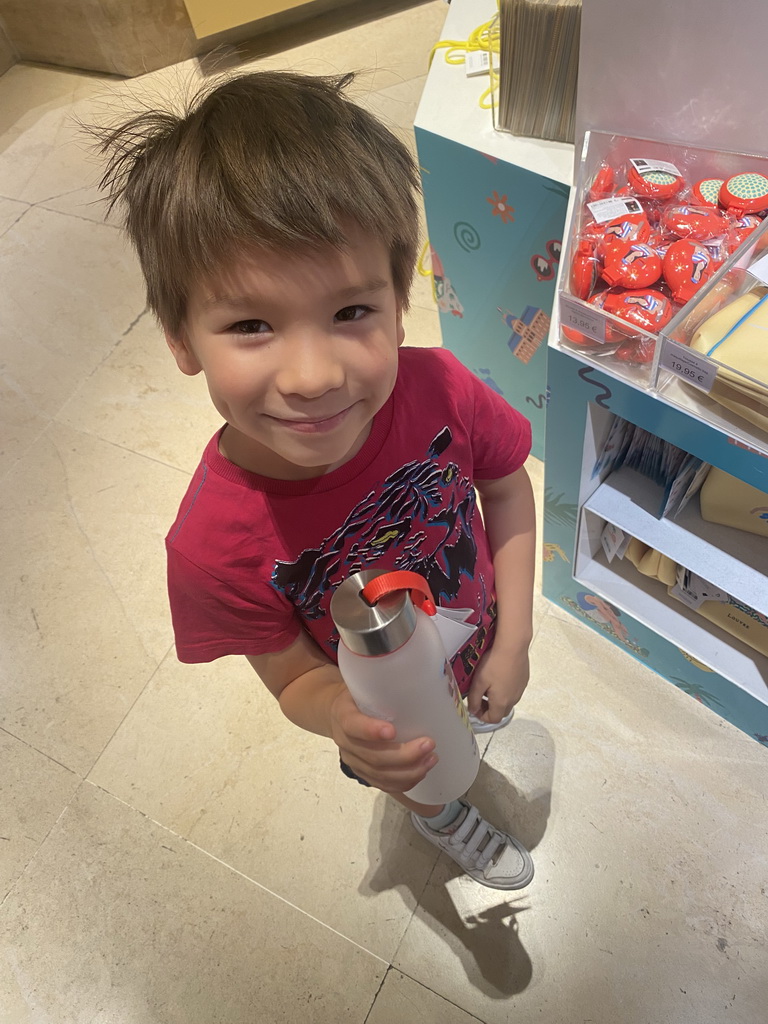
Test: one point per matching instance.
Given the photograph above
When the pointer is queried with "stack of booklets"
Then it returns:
(539, 67)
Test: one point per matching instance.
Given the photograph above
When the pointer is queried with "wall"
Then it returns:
(123, 37)
(7, 52)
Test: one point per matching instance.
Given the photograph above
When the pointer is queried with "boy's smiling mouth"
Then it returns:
(315, 425)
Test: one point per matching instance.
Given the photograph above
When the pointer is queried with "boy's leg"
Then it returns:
(490, 856)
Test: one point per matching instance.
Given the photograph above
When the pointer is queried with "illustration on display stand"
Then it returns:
(493, 241)
(528, 331)
(445, 295)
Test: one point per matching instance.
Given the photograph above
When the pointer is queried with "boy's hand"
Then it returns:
(368, 746)
(500, 679)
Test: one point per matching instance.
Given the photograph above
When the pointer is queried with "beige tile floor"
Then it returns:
(171, 850)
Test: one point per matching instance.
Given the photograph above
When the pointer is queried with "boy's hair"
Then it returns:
(265, 161)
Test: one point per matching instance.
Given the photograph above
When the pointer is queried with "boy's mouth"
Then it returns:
(315, 424)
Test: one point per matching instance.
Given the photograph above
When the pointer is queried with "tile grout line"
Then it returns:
(234, 870)
(43, 841)
(438, 994)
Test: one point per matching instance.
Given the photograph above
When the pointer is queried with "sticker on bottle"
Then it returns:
(604, 210)
(689, 366)
(648, 166)
(582, 318)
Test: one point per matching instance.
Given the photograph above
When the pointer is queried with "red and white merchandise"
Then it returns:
(648, 237)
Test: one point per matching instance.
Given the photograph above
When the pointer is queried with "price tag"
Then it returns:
(477, 62)
(687, 365)
(585, 320)
(693, 591)
(615, 542)
(646, 166)
(604, 210)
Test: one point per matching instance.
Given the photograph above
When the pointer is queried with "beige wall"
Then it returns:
(7, 52)
(124, 37)
(212, 16)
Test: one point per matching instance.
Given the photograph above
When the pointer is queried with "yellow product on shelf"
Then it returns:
(739, 620)
(651, 562)
(727, 500)
(704, 598)
(737, 336)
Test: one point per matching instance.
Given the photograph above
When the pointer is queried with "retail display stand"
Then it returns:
(586, 393)
(495, 206)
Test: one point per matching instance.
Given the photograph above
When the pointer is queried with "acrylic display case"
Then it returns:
(713, 358)
(653, 285)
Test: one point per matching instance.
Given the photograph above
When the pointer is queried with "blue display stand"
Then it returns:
(582, 400)
(495, 233)
(496, 207)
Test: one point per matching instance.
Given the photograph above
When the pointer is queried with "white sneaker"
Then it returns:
(479, 725)
(488, 855)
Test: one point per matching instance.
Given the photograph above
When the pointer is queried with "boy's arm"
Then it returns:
(311, 693)
(510, 522)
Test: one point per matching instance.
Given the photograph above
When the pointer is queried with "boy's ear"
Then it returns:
(186, 360)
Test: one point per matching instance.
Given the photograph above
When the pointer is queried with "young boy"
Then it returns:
(276, 226)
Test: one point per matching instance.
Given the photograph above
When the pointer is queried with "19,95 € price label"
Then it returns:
(687, 365)
(587, 321)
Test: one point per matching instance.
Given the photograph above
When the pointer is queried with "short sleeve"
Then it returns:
(500, 436)
(212, 619)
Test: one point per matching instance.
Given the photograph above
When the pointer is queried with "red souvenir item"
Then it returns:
(602, 183)
(642, 307)
(654, 184)
(660, 243)
(584, 270)
(745, 193)
(633, 227)
(687, 266)
(689, 222)
(636, 350)
(634, 265)
(707, 191)
(742, 228)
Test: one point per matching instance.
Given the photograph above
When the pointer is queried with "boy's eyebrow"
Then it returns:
(376, 284)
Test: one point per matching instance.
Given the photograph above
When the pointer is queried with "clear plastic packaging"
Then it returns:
(648, 219)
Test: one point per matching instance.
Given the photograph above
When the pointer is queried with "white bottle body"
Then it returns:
(415, 689)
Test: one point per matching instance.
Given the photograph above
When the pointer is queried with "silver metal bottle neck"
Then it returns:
(371, 630)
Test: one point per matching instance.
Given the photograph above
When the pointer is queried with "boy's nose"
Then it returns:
(311, 365)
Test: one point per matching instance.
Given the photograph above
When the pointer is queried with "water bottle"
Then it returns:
(393, 662)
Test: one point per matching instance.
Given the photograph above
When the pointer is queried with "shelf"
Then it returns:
(735, 561)
(647, 601)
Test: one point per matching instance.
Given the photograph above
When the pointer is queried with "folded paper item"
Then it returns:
(737, 338)
(732, 502)
(703, 597)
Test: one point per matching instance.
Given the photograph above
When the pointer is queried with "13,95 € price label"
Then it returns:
(582, 318)
(687, 365)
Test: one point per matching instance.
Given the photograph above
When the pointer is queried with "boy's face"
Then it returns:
(299, 353)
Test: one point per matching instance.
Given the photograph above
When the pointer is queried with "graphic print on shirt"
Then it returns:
(422, 514)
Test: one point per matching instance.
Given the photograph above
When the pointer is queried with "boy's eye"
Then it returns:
(350, 313)
(249, 327)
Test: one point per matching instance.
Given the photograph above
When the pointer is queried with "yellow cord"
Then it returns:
(424, 270)
(484, 37)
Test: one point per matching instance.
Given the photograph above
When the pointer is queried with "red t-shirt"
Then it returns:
(252, 560)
